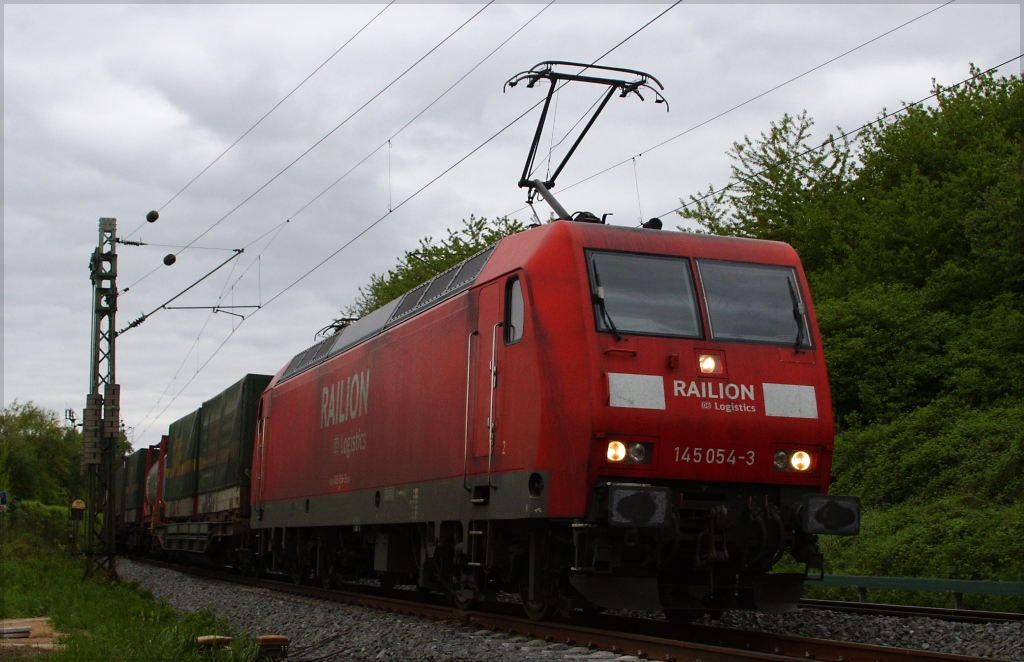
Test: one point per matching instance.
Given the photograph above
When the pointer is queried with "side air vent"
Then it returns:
(427, 295)
(441, 287)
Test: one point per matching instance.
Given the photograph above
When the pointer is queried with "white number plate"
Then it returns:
(698, 455)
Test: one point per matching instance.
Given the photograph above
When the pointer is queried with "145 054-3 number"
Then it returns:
(714, 456)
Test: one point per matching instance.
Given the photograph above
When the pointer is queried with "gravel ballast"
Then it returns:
(322, 630)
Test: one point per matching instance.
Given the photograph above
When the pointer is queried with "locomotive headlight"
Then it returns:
(801, 461)
(793, 461)
(709, 364)
(637, 452)
(616, 451)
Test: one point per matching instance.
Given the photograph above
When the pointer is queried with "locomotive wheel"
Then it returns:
(547, 587)
(464, 599)
(542, 606)
(327, 578)
(330, 572)
(298, 571)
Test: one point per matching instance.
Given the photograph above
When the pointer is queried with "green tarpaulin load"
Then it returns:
(226, 436)
(135, 475)
(182, 451)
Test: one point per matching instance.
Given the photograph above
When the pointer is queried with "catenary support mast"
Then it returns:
(101, 419)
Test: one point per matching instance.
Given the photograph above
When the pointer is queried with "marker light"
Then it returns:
(709, 364)
(781, 458)
(800, 461)
(637, 452)
(616, 451)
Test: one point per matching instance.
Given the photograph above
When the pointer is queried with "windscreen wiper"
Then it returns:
(599, 299)
(799, 309)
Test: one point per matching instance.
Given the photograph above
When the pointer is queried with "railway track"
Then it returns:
(643, 638)
(904, 611)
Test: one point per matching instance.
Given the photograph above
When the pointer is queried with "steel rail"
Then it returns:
(908, 611)
(645, 638)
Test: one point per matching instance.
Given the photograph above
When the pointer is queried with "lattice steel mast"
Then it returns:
(101, 419)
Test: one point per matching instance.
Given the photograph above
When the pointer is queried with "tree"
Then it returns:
(913, 243)
(782, 189)
(418, 266)
(37, 451)
(940, 191)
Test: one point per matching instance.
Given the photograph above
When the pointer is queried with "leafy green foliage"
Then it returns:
(431, 258)
(913, 243)
(48, 523)
(36, 454)
(959, 537)
(103, 620)
(782, 190)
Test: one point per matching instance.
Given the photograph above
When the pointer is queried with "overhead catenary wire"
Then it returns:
(267, 114)
(329, 133)
(453, 166)
(904, 109)
(220, 346)
(343, 122)
(568, 133)
(845, 134)
(418, 115)
(748, 101)
(162, 306)
(399, 131)
(195, 346)
(276, 230)
(387, 143)
(636, 180)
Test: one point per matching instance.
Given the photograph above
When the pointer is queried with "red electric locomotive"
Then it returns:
(591, 416)
(588, 414)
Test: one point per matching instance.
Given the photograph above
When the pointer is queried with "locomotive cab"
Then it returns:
(712, 432)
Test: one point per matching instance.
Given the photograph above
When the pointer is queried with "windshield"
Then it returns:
(754, 302)
(644, 294)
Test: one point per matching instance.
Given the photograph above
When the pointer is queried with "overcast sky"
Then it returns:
(110, 110)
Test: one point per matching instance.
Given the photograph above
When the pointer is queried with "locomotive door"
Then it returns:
(496, 360)
(486, 382)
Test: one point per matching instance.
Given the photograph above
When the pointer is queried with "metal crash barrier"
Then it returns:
(955, 586)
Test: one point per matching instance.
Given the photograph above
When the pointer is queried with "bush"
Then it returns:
(49, 523)
(957, 537)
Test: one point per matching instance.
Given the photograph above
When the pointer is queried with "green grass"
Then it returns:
(101, 620)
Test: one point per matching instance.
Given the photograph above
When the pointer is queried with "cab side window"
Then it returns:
(514, 310)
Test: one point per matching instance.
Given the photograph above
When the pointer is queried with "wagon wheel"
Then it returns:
(247, 564)
(298, 571)
(259, 563)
